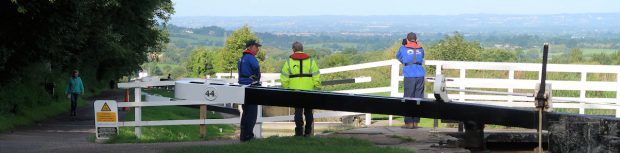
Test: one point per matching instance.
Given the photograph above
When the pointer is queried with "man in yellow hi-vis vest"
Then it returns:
(301, 72)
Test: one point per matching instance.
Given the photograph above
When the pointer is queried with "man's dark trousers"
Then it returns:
(248, 120)
(299, 122)
(414, 88)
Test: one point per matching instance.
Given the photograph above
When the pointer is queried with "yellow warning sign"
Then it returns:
(106, 116)
(105, 107)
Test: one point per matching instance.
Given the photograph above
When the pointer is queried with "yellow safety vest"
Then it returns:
(300, 74)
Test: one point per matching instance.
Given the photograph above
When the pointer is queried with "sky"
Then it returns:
(389, 7)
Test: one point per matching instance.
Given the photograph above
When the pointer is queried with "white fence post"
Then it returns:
(394, 79)
(437, 72)
(582, 94)
(618, 94)
(511, 77)
(461, 86)
(138, 112)
(394, 85)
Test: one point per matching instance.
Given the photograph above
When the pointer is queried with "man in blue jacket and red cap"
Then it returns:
(411, 55)
(249, 74)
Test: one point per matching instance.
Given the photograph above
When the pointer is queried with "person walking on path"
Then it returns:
(75, 88)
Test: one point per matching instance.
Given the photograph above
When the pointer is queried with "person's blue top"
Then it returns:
(248, 66)
(406, 54)
(74, 86)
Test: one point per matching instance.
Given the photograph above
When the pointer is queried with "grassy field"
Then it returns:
(171, 133)
(296, 145)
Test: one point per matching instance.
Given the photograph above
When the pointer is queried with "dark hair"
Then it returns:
(412, 37)
(404, 41)
(297, 46)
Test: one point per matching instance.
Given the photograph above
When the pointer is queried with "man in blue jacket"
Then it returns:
(249, 74)
(412, 56)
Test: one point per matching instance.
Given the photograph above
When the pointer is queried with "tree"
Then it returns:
(235, 44)
(334, 60)
(533, 55)
(166, 69)
(498, 55)
(390, 52)
(178, 71)
(106, 38)
(156, 71)
(350, 50)
(42, 41)
(615, 58)
(521, 55)
(271, 66)
(602, 59)
(201, 62)
(318, 53)
(575, 56)
(455, 48)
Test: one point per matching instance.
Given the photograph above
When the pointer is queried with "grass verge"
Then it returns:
(36, 114)
(424, 122)
(171, 133)
(295, 144)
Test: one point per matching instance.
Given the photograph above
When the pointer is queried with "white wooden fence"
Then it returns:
(138, 104)
(510, 83)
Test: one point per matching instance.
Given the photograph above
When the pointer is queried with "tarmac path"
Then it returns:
(64, 133)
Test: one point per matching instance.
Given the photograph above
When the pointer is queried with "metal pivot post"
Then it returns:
(542, 97)
(474, 136)
(439, 89)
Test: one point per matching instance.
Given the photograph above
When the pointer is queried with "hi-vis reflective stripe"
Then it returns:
(290, 70)
(317, 72)
(311, 66)
(289, 66)
(284, 74)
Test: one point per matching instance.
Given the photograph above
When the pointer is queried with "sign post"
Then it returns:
(106, 119)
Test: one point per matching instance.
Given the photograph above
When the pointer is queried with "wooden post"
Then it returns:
(203, 117)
